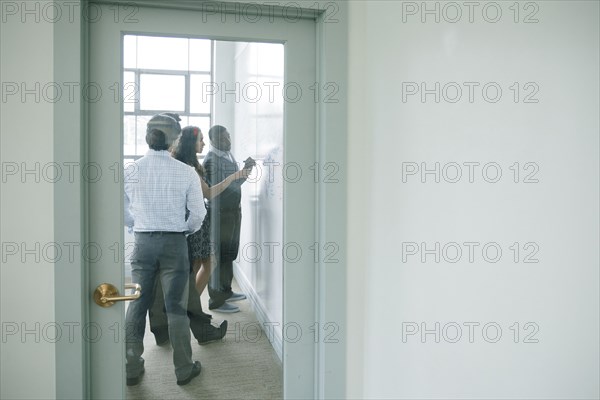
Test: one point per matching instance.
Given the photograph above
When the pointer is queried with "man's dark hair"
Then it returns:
(167, 124)
(215, 131)
(157, 140)
(175, 116)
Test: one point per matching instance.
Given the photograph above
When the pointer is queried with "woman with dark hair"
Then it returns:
(189, 143)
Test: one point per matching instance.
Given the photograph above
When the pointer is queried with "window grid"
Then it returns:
(186, 113)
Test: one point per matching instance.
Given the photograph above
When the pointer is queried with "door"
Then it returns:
(105, 151)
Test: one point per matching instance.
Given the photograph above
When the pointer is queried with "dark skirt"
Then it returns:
(199, 243)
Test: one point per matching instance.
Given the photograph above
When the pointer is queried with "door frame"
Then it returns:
(71, 200)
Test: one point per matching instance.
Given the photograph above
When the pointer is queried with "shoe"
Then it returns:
(212, 334)
(162, 340)
(134, 381)
(161, 335)
(205, 315)
(237, 297)
(195, 372)
(227, 308)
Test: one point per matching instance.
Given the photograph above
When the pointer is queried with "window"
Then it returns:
(164, 74)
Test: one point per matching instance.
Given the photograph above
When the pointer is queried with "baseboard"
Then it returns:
(260, 310)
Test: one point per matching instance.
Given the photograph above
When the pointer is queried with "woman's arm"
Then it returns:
(213, 191)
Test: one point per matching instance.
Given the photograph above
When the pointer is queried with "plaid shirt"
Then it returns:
(158, 191)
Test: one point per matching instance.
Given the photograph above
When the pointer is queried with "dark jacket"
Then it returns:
(217, 169)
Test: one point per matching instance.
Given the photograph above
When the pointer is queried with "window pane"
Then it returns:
(129, 135)
(200, 55)
(129, 92)
(130, 51)
(200, 97)
(184, 120)
(142, 146)
(162, 92)
(162, 53)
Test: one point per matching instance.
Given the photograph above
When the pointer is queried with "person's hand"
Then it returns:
(243, 173)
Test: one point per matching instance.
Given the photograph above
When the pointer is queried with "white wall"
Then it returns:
(27, 278)
(259, 130)
(559, 214)
(255, 121)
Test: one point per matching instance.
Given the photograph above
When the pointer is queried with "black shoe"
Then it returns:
(205, 315)
(161, 335)
(226, 308)
(136, 380)
(195, 372)
(211, 334)
(162, 341)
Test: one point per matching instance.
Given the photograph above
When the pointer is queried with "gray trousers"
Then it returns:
(225, 231)
(200, 323)
(161, 256)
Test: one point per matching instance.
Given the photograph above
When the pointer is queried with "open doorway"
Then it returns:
(106, 138)
(237, 85)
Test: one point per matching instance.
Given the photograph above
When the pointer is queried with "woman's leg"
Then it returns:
(203, 269)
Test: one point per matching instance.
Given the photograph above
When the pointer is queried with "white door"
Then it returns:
(105, 149)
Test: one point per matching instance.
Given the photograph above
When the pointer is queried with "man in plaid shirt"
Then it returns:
(159, 190)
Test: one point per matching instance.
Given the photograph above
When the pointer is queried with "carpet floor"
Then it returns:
(241, 366)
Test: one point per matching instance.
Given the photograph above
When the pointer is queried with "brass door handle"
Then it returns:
(106, 294)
